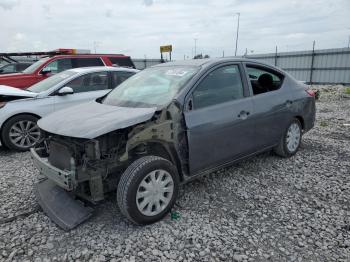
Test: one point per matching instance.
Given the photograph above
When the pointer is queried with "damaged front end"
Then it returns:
(74, 168)
(81, 168)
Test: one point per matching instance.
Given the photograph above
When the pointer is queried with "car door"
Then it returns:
(218, 119)
(86, 88)
(272, 104)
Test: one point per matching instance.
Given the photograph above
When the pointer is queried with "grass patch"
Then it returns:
(323, 123)
(347, 90)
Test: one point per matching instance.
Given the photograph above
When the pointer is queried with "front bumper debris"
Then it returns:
(60, 206)
(52, 195)
(62, 178)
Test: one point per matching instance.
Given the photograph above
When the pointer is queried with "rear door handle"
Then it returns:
(289, 102)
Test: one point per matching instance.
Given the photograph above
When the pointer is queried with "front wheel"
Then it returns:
(147, 189)
(21, 132)
(291, 140)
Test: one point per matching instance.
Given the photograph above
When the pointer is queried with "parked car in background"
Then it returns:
(20, 109)
(14, 67)
(164, 126)
(49, 66)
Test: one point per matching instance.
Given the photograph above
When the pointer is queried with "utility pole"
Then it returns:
(276, 56)
(96, 43)
(237, 32)
(195, 47)
(312, 61)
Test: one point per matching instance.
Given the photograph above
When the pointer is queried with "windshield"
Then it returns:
(31, 69)
(50, 82)
(153, 87)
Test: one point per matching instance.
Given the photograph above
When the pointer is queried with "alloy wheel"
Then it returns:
(24, 134)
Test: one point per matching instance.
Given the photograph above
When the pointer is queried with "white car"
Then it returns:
(20, 109)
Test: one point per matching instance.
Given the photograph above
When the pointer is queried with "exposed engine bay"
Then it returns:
(95, 164)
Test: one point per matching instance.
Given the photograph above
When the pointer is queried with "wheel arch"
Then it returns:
(160, 149)
(18, 114)
(301, 120)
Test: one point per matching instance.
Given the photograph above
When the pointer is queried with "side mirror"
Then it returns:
(65, 91)
(45, 71)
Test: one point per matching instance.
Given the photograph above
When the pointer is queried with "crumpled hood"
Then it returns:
(12, 91)
(92, 119)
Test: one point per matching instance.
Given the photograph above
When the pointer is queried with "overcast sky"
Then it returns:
(139, 27)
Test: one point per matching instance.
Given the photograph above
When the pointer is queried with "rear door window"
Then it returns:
(90, 82)
(86, 62)
(263, 80)
(119, 77)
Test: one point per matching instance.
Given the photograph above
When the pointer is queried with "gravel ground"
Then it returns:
(265, 208)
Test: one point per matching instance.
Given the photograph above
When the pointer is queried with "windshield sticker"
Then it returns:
(176, 72)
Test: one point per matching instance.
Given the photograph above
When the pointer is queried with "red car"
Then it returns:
(57, 63)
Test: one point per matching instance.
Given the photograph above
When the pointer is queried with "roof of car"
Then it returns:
(88, 55)
(101, 68)
(207, 61)
(200, 62)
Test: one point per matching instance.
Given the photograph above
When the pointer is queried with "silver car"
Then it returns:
(20, 109)
(165, 126)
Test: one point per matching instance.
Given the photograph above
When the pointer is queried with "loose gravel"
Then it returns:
(265, 208)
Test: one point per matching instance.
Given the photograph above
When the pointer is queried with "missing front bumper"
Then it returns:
(62, 178)
(61, 207)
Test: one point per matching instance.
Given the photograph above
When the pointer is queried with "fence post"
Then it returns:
(312, 61)
(276, 56)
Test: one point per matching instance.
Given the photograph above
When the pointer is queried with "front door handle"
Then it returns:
(243, 114)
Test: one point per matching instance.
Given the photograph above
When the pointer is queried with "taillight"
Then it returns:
(310, 92)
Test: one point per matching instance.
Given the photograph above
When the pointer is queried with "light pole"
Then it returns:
(195, 47)
(96, 44)
(237, 32)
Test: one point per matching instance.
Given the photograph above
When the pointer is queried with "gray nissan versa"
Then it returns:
(163, 127)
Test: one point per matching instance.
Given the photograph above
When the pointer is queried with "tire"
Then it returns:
(284, 149)
(132, 195)
(22, 128)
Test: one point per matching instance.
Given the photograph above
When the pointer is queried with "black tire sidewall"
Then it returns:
(285, 148)
(133, 210)
(5, 138)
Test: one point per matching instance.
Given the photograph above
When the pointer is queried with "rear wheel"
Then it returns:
(148, 189)
(291, 140)
(21, 132)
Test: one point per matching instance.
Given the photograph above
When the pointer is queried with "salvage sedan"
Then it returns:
(162, 127)
(20, 109)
